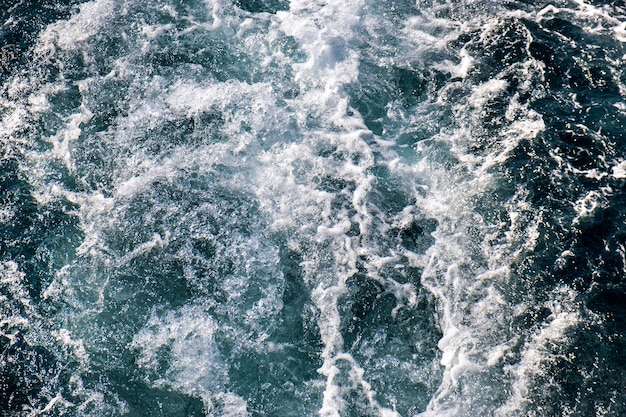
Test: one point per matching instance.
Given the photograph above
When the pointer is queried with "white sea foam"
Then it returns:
(468, 274)
(538, 354)
(62, 141)
(619, 170)
(278, 152)
(71, 34)
(194, 364)
(474, 311)
(587, 205)
(597, 19)
(78, 348)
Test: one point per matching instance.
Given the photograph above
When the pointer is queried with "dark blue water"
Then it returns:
(288, 208)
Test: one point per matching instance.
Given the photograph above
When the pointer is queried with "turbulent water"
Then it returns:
(313, 208)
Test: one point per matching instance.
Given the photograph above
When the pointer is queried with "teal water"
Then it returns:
(333, 208)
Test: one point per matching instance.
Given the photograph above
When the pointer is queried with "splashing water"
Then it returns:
(339, 208)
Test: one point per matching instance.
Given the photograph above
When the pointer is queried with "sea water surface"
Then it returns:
(312, 208)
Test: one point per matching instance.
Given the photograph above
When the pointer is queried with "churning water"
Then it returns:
(300, 208)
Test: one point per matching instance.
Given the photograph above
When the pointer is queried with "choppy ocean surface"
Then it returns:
(275, 208)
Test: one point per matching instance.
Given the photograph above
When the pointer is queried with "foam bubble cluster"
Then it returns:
(334, 208)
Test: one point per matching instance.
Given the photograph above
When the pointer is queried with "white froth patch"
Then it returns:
(597, 19)
(524, 129)
(486, 91)
(294, 204)
(192, 99)
(56, 288)
(548, 10)
(94, 207)
(619, 170)
(56, 406)
(13, 121)
(475, 315)
(620, 105)
(426, 32)
(7, 213)
(325, 36)
(537, 355)
(70, 34)
(151, 32)
(12, 280)
(62, 140)
(156, 242)
(336, 230)
(38, 103)
(587, 205)
(194, 364)
(65, 338)
(593, 174)
(240, 103)
(285, 188)
(226, 404)
(334, 403)
(459, 70)
(141, 172)
(16, 309)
